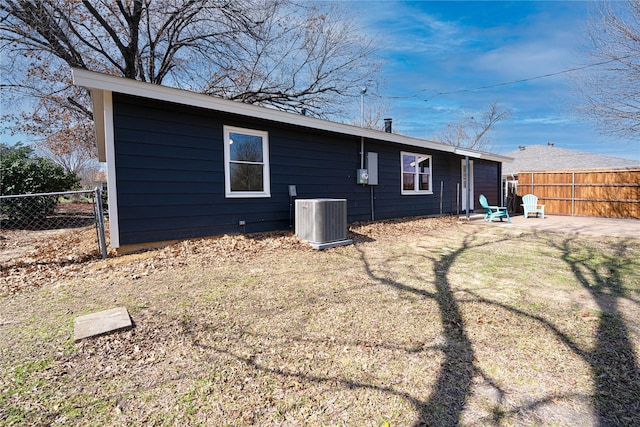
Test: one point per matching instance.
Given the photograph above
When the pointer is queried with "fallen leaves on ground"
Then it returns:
(35, 259)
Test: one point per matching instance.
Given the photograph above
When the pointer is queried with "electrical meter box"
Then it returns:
(369, 176)
(363, 176)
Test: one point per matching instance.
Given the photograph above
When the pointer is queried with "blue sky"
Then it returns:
(436, 53)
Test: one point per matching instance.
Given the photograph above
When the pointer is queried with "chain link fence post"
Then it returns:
(99, 215)
(24, 217)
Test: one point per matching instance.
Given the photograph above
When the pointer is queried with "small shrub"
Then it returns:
(25, 173)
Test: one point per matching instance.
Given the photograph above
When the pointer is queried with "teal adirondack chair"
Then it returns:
(493, 211)
(531, 205)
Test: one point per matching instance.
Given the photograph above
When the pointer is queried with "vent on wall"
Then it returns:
(322, 222)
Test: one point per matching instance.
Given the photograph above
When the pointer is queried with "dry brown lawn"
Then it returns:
(420, 322)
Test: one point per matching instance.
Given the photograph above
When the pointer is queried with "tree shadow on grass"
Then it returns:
(453, 384)
(454, 380)
(613, 359)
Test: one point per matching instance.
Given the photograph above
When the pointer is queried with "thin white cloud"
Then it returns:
(408, 28)
(421, 43)
(443, 60)
(547, 120)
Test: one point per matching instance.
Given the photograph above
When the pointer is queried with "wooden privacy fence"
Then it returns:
(603, 193)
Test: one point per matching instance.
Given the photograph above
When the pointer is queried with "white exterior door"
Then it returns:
(463, 179)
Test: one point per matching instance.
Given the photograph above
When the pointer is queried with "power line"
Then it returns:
(528, 79)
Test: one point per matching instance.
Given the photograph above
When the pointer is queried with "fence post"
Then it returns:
(441, 189)
(100, 223)
(573, 193)
(533, 184)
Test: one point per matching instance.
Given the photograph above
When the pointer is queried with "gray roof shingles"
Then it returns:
(547, 157)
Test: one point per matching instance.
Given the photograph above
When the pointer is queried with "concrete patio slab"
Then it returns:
(617, 227)
(102, 322)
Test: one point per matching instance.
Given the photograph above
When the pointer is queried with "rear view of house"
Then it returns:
(184, 165)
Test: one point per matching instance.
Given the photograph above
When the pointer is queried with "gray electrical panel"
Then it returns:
(372, 168)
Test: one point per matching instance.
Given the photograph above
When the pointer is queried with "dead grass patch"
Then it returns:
(422, 322)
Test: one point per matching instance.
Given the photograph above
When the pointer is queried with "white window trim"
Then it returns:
(227, 161)
(416, 192)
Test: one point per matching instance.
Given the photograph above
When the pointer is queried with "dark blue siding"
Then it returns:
(170, 174)
(487, 181)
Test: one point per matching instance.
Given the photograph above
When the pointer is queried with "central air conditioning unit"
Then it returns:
(322, 222)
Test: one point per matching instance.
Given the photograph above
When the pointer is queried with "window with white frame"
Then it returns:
(416, 173)
(246, 162)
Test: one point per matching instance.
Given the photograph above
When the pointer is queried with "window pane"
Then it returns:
(408, 181)
(424, 182)
(408, 163)
(247, 148)
(423, 164)
(245, 177)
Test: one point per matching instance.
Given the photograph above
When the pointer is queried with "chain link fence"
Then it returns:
(26, 217)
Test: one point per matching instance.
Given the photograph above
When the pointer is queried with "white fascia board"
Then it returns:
(97, 81)
(465, 152)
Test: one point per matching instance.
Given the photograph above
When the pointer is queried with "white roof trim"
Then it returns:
(97, 98)
(98, 83)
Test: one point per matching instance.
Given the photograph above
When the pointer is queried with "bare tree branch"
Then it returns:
(610, 93)
(471, 131)
(277, 53)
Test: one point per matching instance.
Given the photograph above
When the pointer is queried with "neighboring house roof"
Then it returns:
(102, 85)
(548, 157)
(99, 177)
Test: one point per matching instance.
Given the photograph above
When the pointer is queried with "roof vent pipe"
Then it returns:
(521, 148)
(550, 144)
(387, 125)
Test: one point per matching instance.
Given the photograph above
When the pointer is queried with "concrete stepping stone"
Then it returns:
(102, 322)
